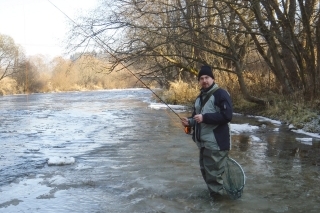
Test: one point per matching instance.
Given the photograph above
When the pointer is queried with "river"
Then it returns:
(116, 151)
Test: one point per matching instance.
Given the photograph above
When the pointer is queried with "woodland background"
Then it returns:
(264, 52)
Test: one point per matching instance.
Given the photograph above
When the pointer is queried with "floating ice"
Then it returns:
(60, 161)
(255, 138)
(307, 141)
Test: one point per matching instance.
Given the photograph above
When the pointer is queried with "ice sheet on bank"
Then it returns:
(239, 128)
(315, 135)
(261, 119)
(291, 127)
(60, 161)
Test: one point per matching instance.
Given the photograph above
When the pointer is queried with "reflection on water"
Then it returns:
(132, 158)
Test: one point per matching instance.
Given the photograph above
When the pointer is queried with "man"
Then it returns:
(210, 121)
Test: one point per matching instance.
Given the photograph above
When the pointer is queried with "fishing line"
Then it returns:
(95, 38)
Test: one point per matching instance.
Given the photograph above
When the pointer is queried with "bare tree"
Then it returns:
(10, 56)
(170, 39)
(28, 78)
(288, 40)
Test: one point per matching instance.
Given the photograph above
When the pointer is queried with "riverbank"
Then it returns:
(306, 119)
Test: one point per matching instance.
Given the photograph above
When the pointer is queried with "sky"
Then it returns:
(38, 26)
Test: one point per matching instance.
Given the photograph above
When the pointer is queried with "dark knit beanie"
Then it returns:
(205, 70)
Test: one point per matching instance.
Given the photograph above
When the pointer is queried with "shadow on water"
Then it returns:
(132, 158)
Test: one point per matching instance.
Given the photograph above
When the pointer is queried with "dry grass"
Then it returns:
(180, 93)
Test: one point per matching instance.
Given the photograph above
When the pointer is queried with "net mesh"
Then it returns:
(233, 179)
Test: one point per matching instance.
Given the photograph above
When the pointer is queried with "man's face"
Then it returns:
(205, 81)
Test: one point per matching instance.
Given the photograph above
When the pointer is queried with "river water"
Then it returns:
(114, 151)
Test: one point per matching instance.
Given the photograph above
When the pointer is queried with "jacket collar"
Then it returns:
(207, 89)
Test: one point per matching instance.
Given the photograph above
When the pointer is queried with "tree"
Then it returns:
(170, 39)
(287, 38)
(28, 77)
(10, 56)
(60, 79)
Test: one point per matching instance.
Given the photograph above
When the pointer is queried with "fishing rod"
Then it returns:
(95, 38)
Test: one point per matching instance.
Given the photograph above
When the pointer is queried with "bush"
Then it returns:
(8, 86)
(180, 93)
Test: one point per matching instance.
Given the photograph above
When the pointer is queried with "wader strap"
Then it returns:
(207, 97)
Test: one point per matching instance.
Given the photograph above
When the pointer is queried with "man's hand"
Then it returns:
(185, 122)
(198, 118)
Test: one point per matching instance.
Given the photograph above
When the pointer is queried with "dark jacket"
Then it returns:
(214, 132)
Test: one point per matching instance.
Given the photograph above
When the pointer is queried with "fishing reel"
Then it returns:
(188, 130)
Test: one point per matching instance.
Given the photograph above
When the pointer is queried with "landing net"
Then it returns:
(233, 179)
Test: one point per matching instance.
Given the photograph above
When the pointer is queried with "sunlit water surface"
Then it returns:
(130, 157)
